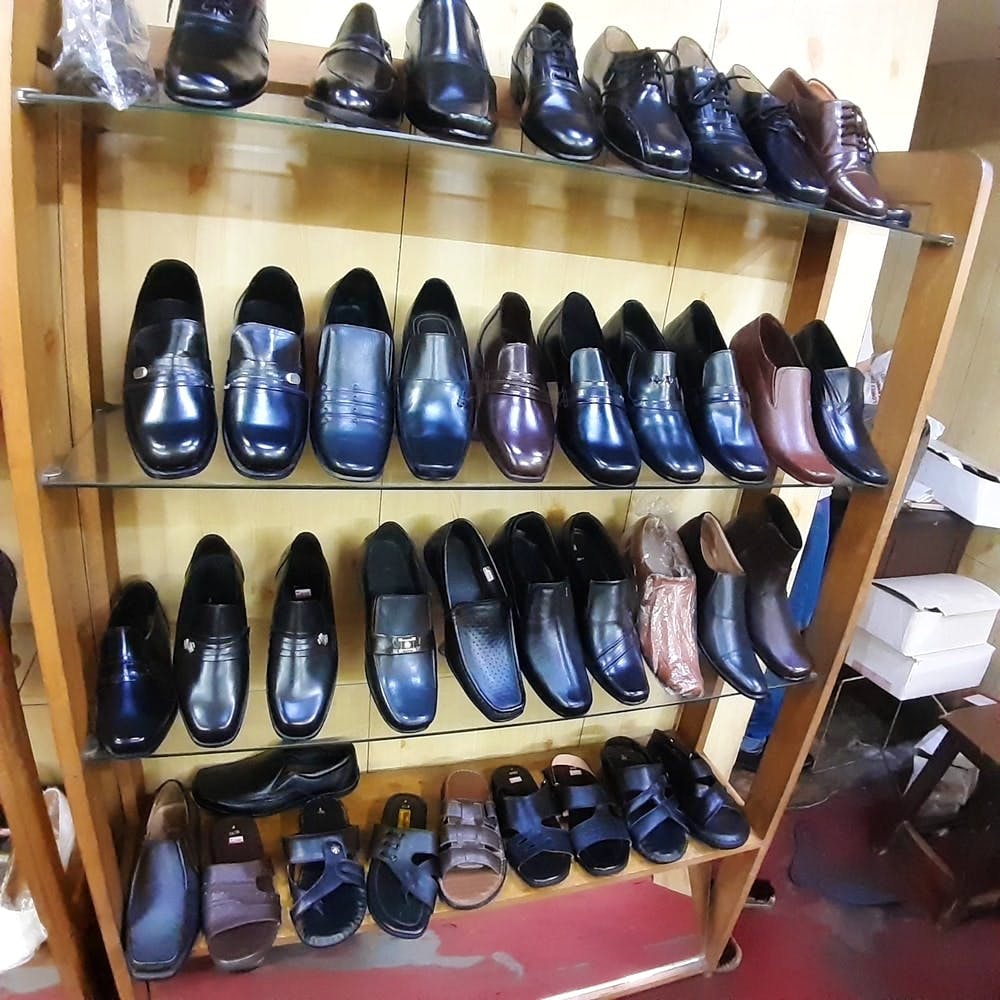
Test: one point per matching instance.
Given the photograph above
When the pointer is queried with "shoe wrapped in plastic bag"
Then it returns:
(105, 52)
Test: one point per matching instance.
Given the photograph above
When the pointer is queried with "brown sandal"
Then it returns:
(241, 912)
(470, 852)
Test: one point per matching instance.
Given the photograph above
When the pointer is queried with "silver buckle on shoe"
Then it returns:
(406, 643)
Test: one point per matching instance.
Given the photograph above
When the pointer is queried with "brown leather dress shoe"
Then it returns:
(667, 592)
(766, 543)
(839, 142)
(778, 384)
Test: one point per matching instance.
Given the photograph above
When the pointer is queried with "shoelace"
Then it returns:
(560, 48)
(777, 119)
(714, 93)
(643, 65)
(854, 131)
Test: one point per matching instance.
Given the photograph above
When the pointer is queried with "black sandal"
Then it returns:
(599, 834)
(402, 876)
(327, 884)
(651, 811)
(537, 847)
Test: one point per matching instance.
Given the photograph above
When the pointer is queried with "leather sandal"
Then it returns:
(537, 847)
(470, 849)
(326, 882)
(708, 810)
(599, 835)
(651, 811)
(402, 876)
(241, 912)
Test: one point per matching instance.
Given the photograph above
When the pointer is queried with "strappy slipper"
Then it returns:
(327, 884)
(402, 876)
(470, 849)
(241, 912)
(537, 847)
(643, 791)
(707, 808)
(599, 835)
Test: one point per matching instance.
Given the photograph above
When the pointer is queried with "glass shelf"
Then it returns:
(103, 458)
(511, 156)
(354, 717)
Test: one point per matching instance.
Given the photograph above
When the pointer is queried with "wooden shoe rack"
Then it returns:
(89, 198)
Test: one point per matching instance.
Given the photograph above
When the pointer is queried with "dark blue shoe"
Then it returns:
(136, 696)
(168, 395)
(352, 403)
(265, 415)
(647, 371)
(400, 657)
(717, 408)
(592, 422)
(434, 397)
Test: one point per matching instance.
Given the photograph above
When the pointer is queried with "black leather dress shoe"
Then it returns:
(478, 623)
(837, 392)
(647, 371)
(720, 149)
(136, 700)
(400, 653)
(556, 115)
(722, 615)
(631, 87)
(168, 394)
(277, 780)
(449, 90)
(778, 141)
(552, 655)
(592, 421)
(435, 404)
(352, 408)
(302, 656)
(218, 53)
(161, 916)
(606, 603)
(357, 83)
(212, 645)
(265, 415)
(716, 404)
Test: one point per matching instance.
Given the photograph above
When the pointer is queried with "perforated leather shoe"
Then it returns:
(218, 53)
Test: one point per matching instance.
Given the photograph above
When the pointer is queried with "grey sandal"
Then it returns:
(470, 852)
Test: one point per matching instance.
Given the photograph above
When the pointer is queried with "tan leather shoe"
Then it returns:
(666, 606)
(839, 142)
(779, 388)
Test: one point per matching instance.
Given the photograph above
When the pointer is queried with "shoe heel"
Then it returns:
(517, 88)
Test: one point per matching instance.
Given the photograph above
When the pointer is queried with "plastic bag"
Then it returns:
(105, 52)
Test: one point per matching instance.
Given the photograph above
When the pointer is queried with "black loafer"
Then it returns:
(218, 54)
(400, 653)
(552, 655)
(478, 624)
(136, 700)
(276, 780)
(168, 394)
(592, 422)
(302, 656)
(212, 645)
(265, 415)
(435, 402)
(162, 912)
(606, 600)
(357, 83)
(710, 813)
(449, 90)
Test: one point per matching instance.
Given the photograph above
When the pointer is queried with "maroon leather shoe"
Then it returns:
(778, 384)
(515, 418)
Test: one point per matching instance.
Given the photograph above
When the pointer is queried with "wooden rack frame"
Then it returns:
(51, 380)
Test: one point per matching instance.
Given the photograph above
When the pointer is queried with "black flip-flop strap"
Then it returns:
(522, 813)
(338, 868)
(710, 797)
(590, 796)
(637, 777)
(396, 849)
(650, 808)
(601, 828)
(522, 847)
